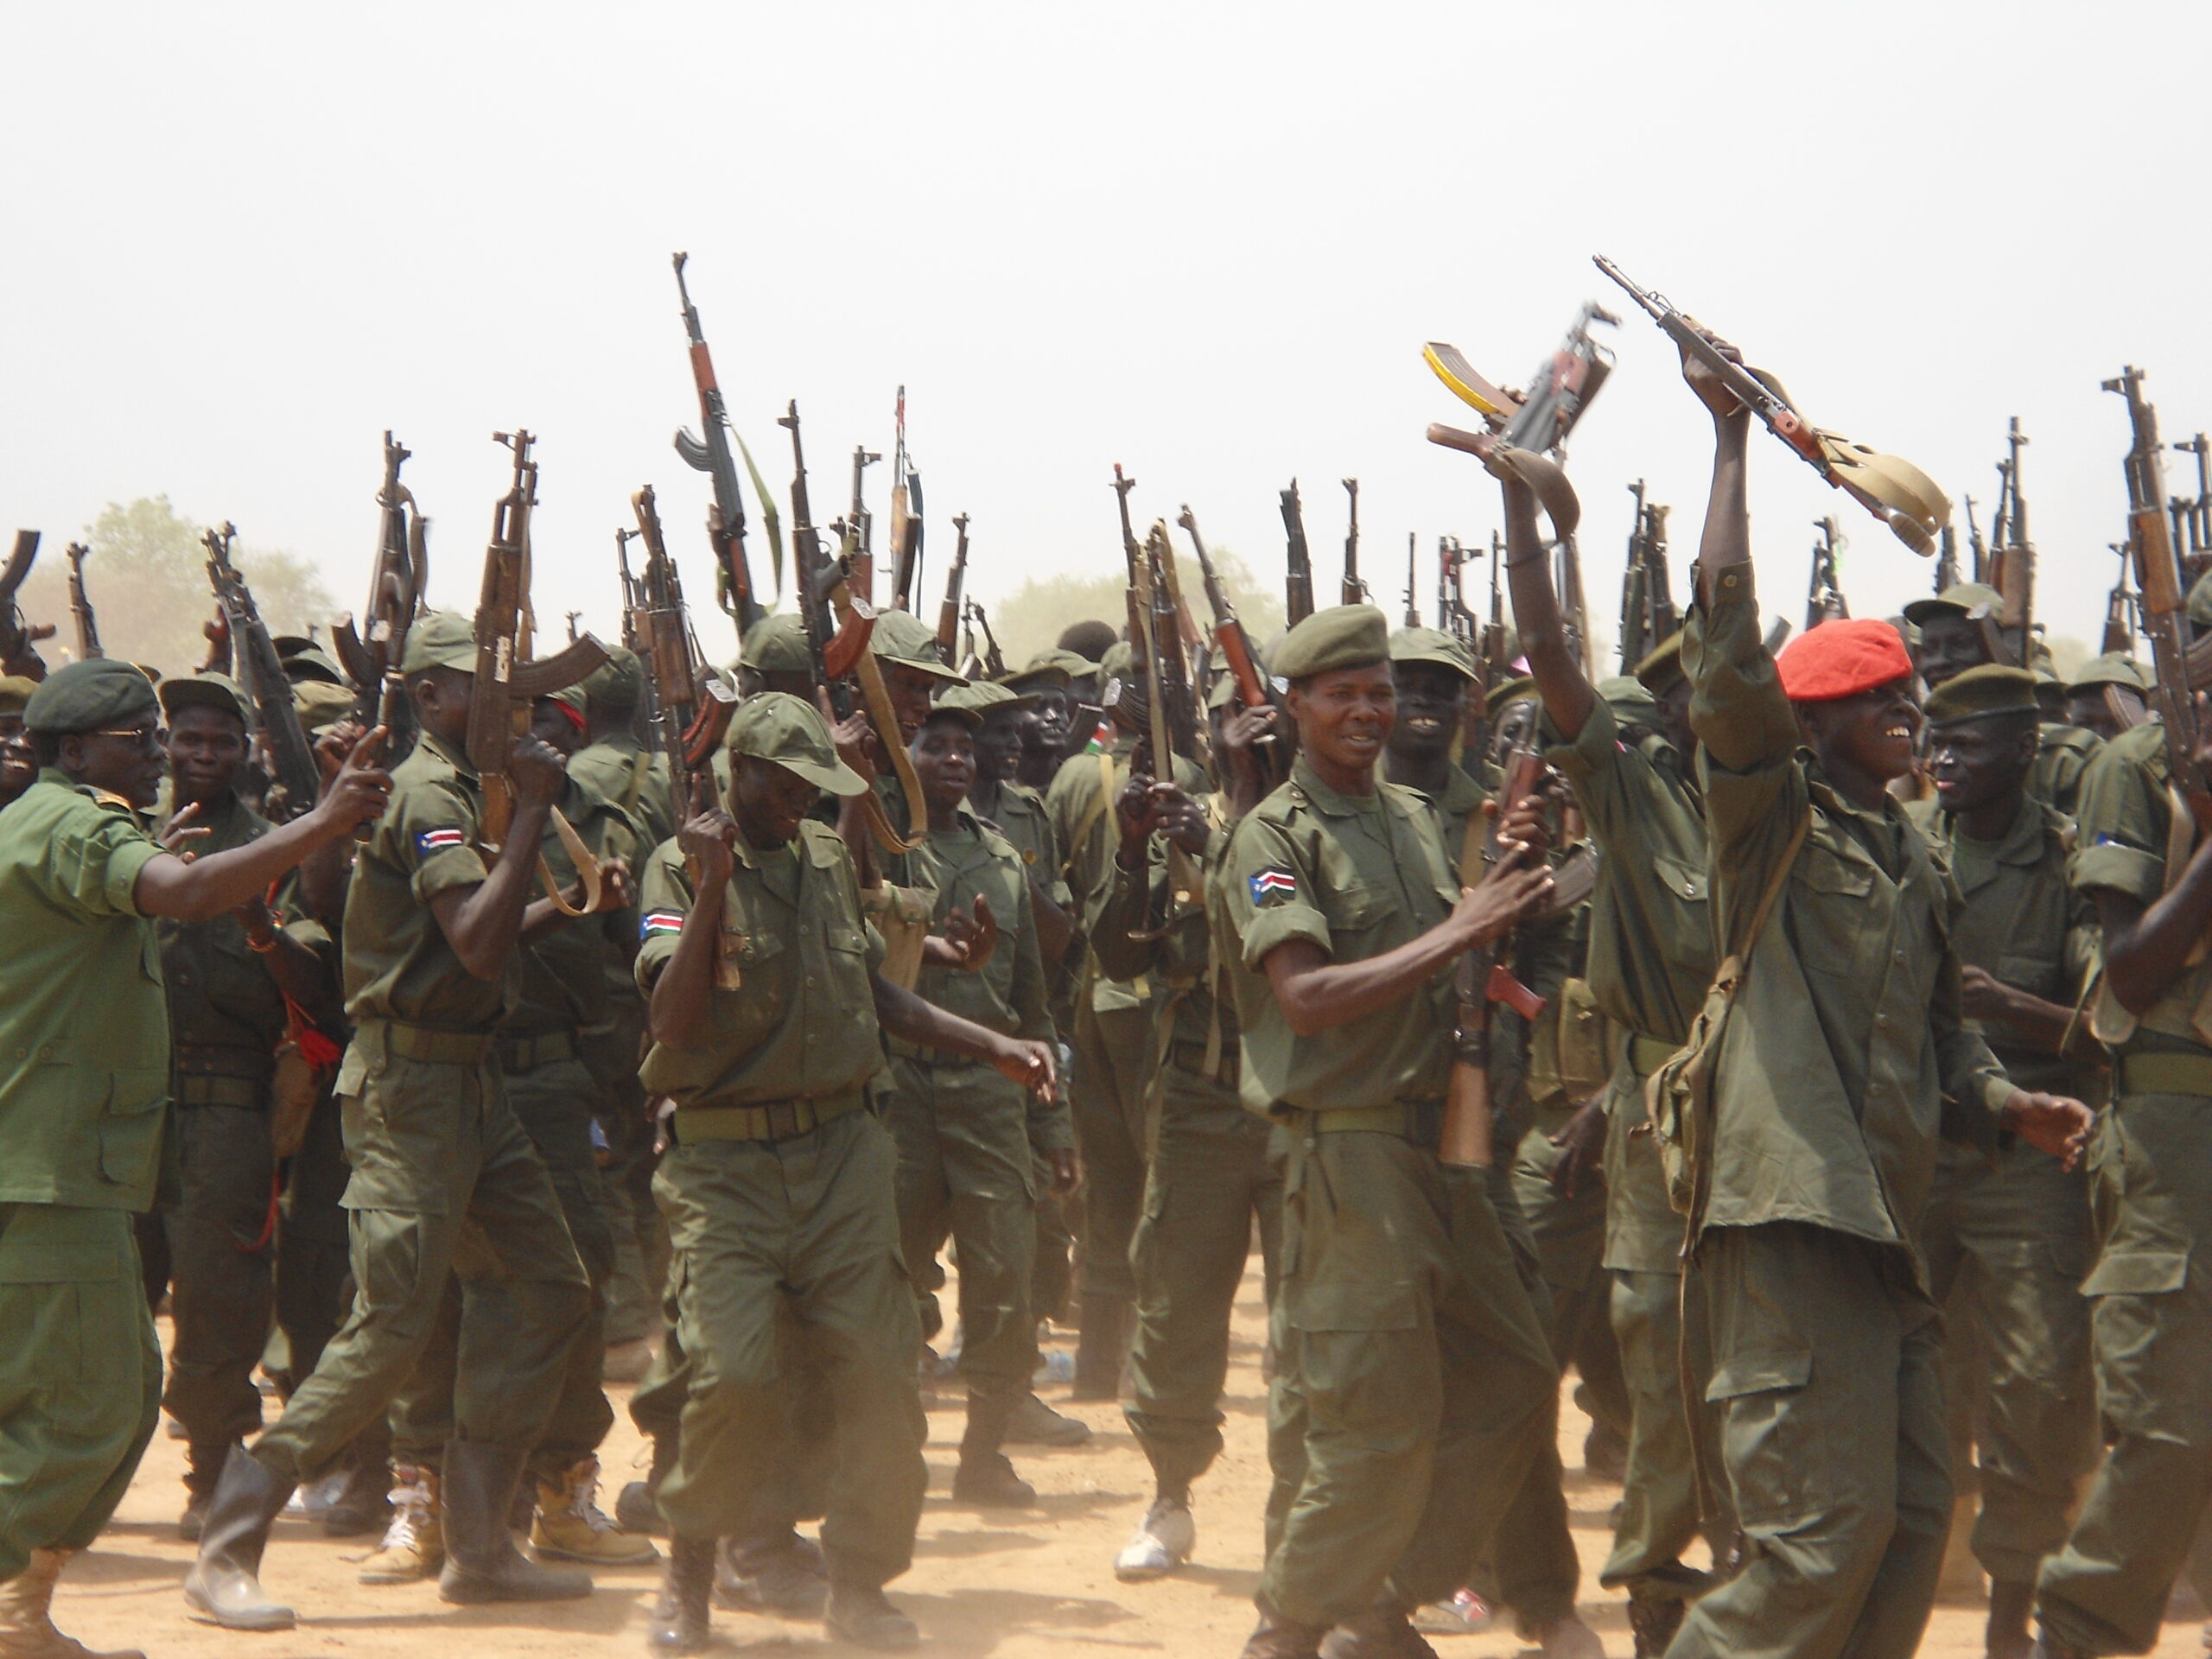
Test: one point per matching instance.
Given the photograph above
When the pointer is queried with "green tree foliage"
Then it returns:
(147, 578)
(1031, 617)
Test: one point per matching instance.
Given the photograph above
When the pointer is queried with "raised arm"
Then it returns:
(1556, 668)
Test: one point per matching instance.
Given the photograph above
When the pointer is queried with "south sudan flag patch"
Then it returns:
(427, 841)
(659, 921)
(1273, 882)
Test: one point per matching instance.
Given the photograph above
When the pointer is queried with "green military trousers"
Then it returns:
(779, 1242)
(633, 1293)
(1569, 1235)
(222, 1247)
(81, 1376)
(2151, 1324)
(1411, 1378)
(553, 1102)
(1827, 1361)
(1114, 1055)
(2017, 1231)
(445, 1182)
(966, 1171)
(1211, 1182)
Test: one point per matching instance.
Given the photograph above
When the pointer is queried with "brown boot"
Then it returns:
(2010, 1607)
(26, 1632)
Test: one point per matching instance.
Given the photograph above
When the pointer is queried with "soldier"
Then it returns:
(762, 981)
(1956, 630)
(1061, 682)
(1843, 1051)
(430, 951)
(774, 658)
(18, 764)
(2017, 1227)
(2108, 694)
(1404, 1339)
(81, 884)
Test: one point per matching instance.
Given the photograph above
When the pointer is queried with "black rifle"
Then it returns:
(1975, 545)
(992, 660)
(2121, 610)
(712, 454)
(1824, 601)
(1298, 581)
(692, 705)
(1648, 614)
(397, 581)
(1171, 712)
(2016, 559)
(634, 596)
(2196, 516)
(1413, 592)
(80, 604)
(17, 636)
(1355, 590)
(905, 518)
(1946, 558)
(291, 759)
(1133, 556)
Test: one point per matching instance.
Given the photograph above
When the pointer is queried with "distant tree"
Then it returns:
(1030, 618)
(147, 578)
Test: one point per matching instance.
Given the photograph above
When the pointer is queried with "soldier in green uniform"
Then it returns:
(1843, 1056)
(445, 1181)
(773, 658)
(18, 764)
(2017, 1227)
(1211, 1182)
(2108, 694)
(1404, 1337)
(1053, 678)
(767, 1005)
(1957, 631)
(83, 1020)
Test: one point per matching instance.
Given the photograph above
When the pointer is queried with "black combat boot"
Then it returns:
(1383, 1631)
(223, 1587)
(637, 1506)
(482, 1563)
(862, 1615)
(985, 1477)
(681, 1621)
(782, 1575)
(1277, 1637)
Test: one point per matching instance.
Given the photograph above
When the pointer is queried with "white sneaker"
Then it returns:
(1570, 1639)
(1162, 1542)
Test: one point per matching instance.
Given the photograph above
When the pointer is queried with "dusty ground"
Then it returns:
(1010, 1585)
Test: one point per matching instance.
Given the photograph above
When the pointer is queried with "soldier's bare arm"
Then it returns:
(678, 1009)
(1553, 664)
(483, 923)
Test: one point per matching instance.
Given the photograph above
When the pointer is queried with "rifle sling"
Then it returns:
(498, 814)
(885, 718)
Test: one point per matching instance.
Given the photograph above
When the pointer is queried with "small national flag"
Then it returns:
(427, 841)
(1273, 882)
(660, 921)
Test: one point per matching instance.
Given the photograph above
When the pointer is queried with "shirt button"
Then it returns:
(1881, 1018)
(809, 982)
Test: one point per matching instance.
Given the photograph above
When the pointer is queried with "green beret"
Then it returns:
(100, 694)
(777, 645)
(15, 691)
(2200, 602)
(617, 684)
(2113, 668)
(309, 661)
(208, 691)
(903, 639)
(1343, 636)
(1989, 688)
(1959, 598)
(1509, 691)
(1053, 667)
(322, 705)
(440, 639)
(1434, 646)
(776, 726)
(1662, 666)
(980, 696)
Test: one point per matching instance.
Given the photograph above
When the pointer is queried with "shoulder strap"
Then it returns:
(1098, 808)
(1775, 884)
(640, 765)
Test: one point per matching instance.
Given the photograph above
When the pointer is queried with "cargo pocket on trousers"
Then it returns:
(2153, 1349)
(59, 1307)
(1767, 1433)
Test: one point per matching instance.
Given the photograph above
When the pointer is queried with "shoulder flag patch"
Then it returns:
(1273, 882)
(438, 841)
(659, 921)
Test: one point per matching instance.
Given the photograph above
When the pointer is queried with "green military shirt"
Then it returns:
(220, 994)
(564, 982)
(2062, 755)
(1020, 816)
(1080, 804)
(1845, 1040)
(1359, 876)
(620, 768)
(801, 1024)
(84, 1027)
(398, 964)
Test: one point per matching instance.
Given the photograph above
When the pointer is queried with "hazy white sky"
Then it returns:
(1204, 241)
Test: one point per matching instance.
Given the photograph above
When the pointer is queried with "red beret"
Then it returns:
(1842, 658)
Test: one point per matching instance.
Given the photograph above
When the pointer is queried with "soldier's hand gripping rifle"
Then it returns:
(710, 452)
(1896, 492)
(398, 582)
(1824, 601)
(80, 603)
(291, 759)
(956, 586)
(1354, 591)
(17, 637)
(509, 681)
(692, 705)
(990, 665)
(1298, 577)
(1227, 631)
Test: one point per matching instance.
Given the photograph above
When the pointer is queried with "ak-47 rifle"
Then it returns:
(1896, 492)
(1412, 591)
(1298, 580)
(956, 588)
(397, 581)
(80, 603)
(1133, 556)
(905, 518)
(2015, 560)
(1228, 629)
(1169, 712)
(991, 663)
(1946, 558)
(1492, 661)
(692, 705)
(1451, 610)
(2120, 611)
(2162, 596)
(1355, 590)
(291, 759)
(1975, 545)
(861, 524)
(711, 453)
(1648, 614)
(634, 596)
(1824, 601)
(2196, 516)
(17, 635)
(509, 679)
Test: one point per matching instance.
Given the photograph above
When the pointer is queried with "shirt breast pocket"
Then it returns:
(1355, 909)
(845, 950)
(2038, 975)
(1837, 932)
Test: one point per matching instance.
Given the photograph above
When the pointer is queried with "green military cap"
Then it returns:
(1433, 646)
(1510, 691)
(981, 697)
(570, 697)
(1989, 688)
(1221, 689)
(616, 684)
(2113, 668)
(440, 639)
(1621, 688)
(207, 691)
(100, 694)
(306, 660)
(902, 638)
(322, 705)
(777, 645)
(2200, 602)
(1343, 636)
(1959, 598)
(778, 727)
(1053, 667)
(1662, 665)
(1119, 663)
(966, 713)
(15, 691)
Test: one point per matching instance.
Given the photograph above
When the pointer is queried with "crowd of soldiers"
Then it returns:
(1886, 1006)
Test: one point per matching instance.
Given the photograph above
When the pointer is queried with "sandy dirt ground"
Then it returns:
(1006, 1584)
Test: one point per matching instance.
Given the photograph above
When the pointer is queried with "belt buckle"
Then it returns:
(783, 1119)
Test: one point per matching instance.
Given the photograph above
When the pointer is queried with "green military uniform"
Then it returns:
(85, 1032)
(779, 1191)
(1650, 960)
(2151, 1168)
(1844, 1052)
(2062, 755)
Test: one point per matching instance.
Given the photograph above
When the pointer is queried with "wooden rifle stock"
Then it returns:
(955, 586)
(1298, 579)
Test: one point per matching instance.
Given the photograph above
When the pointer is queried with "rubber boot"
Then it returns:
(1383, 1631)
(1654, 1620)
(482, 1563)
(681, 1621)
(2010, 1606)
(985, 1477)
(223, 1587)
(26, 1601)
(364, 1503)
(636, 1506)
(1101, 1348)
